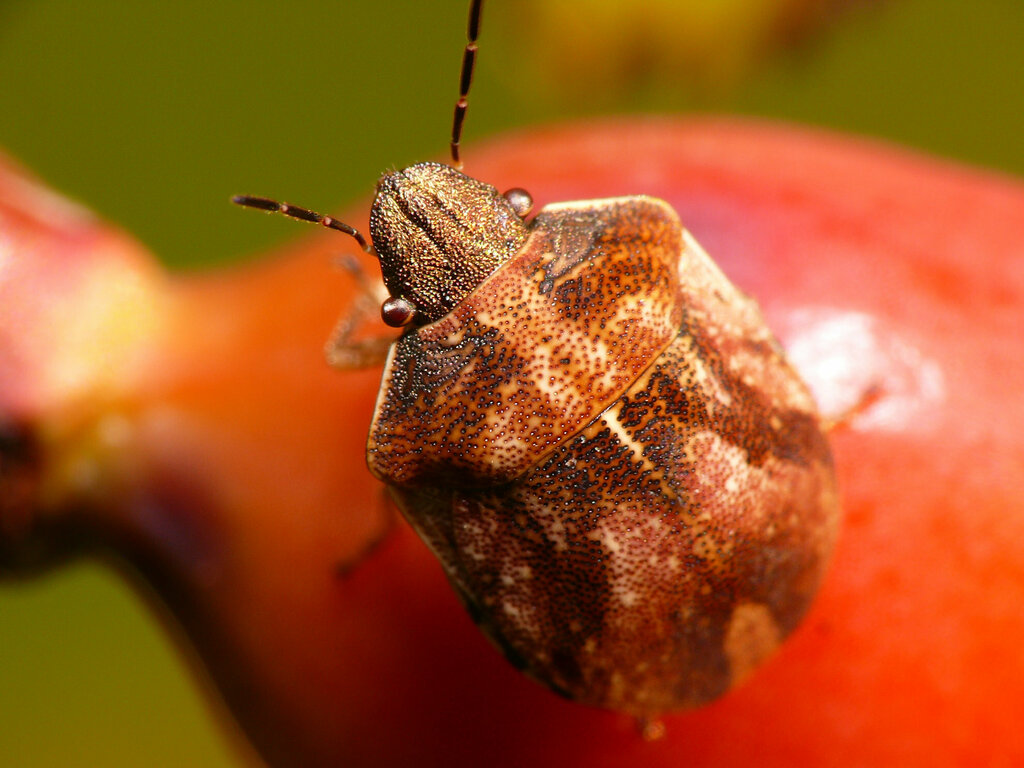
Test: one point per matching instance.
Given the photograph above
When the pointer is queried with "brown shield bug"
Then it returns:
(595, 432)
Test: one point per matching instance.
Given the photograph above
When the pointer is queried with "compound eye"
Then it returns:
(520, 201)
(397, 312)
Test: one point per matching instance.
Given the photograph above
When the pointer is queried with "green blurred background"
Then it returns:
(155, 113)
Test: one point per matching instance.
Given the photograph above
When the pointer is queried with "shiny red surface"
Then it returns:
(236, 482)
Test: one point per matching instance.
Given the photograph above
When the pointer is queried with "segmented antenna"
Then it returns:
(465, 80)
(302, 214)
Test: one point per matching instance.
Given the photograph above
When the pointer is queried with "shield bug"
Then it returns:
(594, 431)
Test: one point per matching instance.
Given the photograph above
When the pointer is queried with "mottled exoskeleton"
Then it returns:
(594, 431)
(600, 439)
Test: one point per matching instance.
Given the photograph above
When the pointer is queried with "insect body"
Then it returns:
(598, 436)
(605, 447)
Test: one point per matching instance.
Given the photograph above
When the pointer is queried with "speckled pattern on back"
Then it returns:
(539, 349)
(648, 552)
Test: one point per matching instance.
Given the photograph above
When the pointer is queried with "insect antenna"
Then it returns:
(303, 214)
(465, 80)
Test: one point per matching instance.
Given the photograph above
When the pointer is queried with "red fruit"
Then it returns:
(227, 464)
